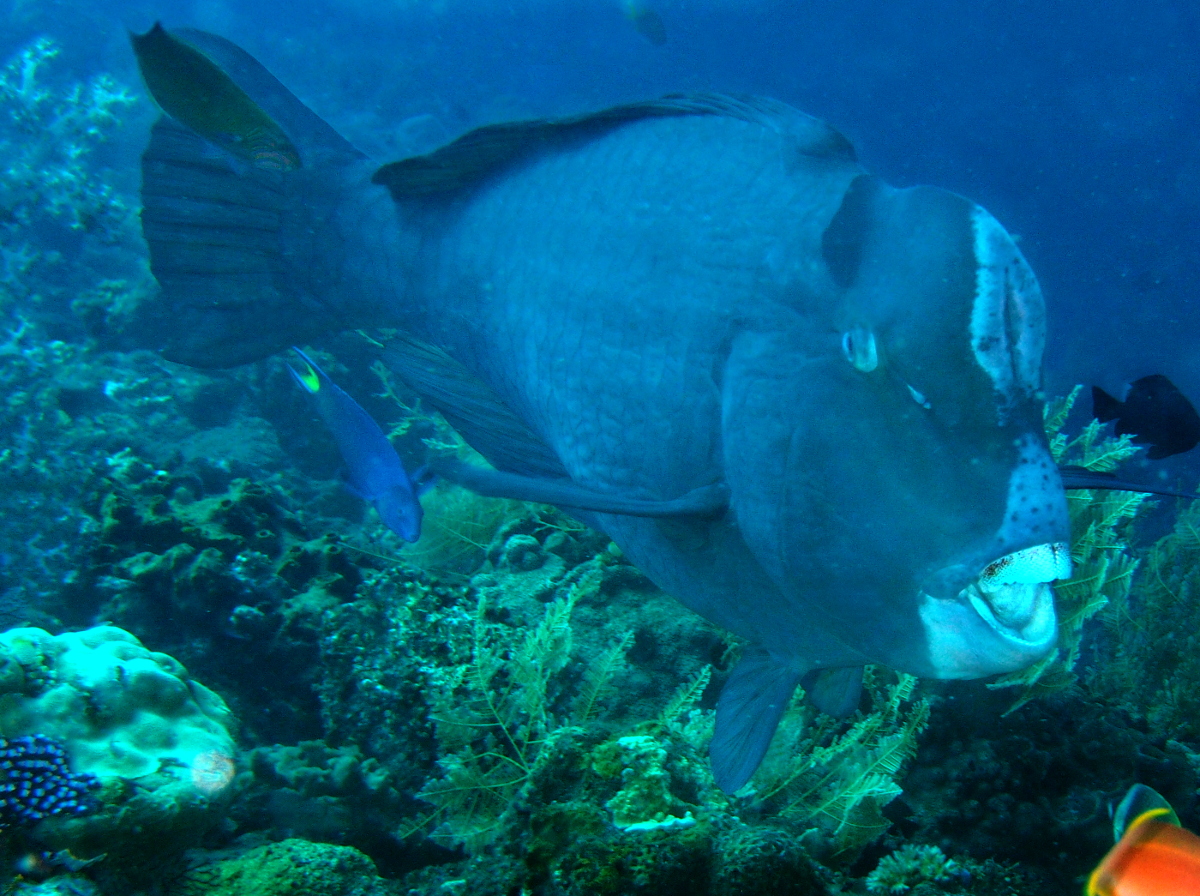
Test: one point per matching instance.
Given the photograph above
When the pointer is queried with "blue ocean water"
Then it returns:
(1076, 124)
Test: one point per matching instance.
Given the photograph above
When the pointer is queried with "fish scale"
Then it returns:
(626, 293)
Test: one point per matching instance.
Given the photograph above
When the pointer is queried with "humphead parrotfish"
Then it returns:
(805, 403)
(374, 471)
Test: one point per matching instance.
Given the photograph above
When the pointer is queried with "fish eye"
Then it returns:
(858, 344)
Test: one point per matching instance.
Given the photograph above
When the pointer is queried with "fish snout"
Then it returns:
(1002, 621)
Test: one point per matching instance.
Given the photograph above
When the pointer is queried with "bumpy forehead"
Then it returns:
(1008, 314)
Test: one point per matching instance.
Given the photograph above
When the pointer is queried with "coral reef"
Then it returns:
(910, 865)
(123, 710)
(66, 235)
(289, 868)
(220, 572)
(158, 742)
(1152, 667)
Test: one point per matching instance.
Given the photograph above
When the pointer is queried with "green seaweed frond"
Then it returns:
(496, 716)
(1054, 418)
(685, 699)
(597, 679)
(1154, 636)
(1092, 449)
(840, 776)
(543, 653)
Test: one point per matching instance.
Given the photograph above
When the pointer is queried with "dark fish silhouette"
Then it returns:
(648, 23)
(1154, 412)
(805, 403)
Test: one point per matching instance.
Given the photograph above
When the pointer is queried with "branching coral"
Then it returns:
(908, 866)
(49, 132)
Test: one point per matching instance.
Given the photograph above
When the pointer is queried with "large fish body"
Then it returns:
(693, 296)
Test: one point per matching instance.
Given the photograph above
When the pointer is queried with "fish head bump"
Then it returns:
(886, 457)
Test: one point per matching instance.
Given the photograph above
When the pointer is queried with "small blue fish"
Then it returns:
(374, 471)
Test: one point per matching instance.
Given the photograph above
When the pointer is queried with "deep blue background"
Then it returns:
(1076, 123)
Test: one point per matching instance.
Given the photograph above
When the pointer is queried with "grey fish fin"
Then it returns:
(222, 233)
(213, 235)
(704, 501)
(835, 692)
(748, 712)
(489, 149)
(1079, 477)
(318, 142)
(472, 408)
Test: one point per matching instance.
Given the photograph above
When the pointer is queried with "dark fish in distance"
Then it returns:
(648, 23)
(803, 402)
(1154, 412)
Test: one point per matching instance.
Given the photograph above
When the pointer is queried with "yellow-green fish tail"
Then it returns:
(308, 379)
(193, 90)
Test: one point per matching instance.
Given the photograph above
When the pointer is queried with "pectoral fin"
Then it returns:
(748, 712)
(835, 692)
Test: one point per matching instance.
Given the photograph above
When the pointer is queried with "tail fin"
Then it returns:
(227, 181)
(1104, 406)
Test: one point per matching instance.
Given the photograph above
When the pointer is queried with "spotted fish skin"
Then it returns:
(693, 295)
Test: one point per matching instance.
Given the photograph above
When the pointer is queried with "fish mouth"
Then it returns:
(1013, 594)
(1002, 620)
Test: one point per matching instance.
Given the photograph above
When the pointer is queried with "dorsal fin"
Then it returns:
(491, 148)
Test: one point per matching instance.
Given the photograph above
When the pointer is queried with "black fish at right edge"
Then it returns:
(1154, 412)
(805, 403)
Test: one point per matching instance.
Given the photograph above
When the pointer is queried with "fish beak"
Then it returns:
(1011, 592)
(1002, 621)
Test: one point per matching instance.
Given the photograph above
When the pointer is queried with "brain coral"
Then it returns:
(121, 709)
(158, 741)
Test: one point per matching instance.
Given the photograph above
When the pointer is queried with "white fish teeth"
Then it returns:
(1035, 565)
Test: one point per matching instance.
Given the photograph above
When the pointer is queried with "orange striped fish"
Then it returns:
(1153, 855)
